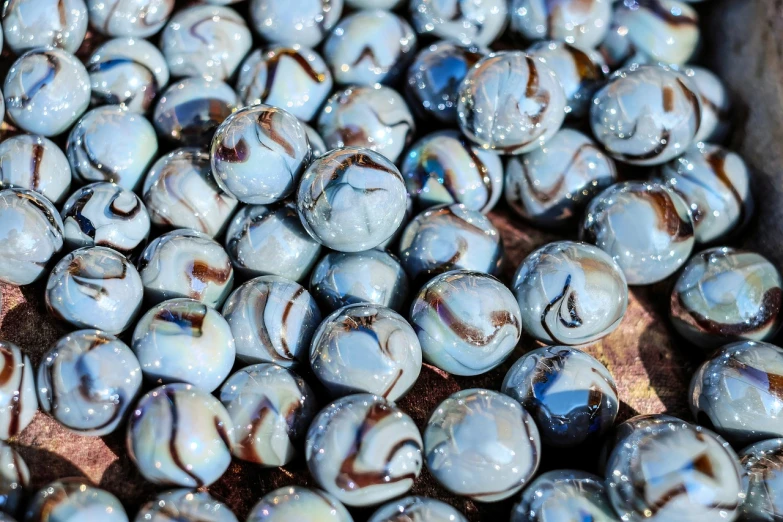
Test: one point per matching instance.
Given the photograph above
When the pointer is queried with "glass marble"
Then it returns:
(639, 423)
(417, 509)
(570, 293)
(715, 105)
(205, 40)
(581, 71)
(762, 467)
(511, 103)
(271, 408)
(570, 394)
(434, 77)
(649, 31)
(258, 154)
(306, 25)
(87, 381)
(293, 503)
(646, 115)
(74, 499)
(95, 287)
(373, 4)
(725, 295)
(482, 444)
(46, 91)
(182, 340)
(127, 71)
(272, 320)
(35, 163)
(185, 505)
(137, 18)
(351, 199)
(107, 215)
(735, 392)
(467, 322)
(676, 472)
(450, 237)
(645, 227)
(364, 450)
(317, 145)
(111, 144)
(369, 46)
(444, 167)
(18, 399)
(577, 22)
(180, 192)
(468, 22)
(186, 263)
(30, 24)
(564, 496)
(366, 348)
(551, 185)
(295, 79)
(715, 183)
(374, 117)
(270, 240)
(189, 111)
(179, 435)
(14, 480)
(32, 235)
(372, 276)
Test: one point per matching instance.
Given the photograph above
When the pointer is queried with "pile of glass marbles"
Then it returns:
(231, 208)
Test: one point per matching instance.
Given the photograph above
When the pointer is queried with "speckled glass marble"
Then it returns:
(467, 322)
(270, 240)
(180, 192)
(306, 25)
(298, 503)
(46, 91)
(715, 183)
(482, 444)
(450, 237)
(182, 340)
(715, 105)
(14, 480)
(258, 154)
(463, 21)
(372, 276)
(111, 144)
(18, 399)
(185, 505)
(190, 110)
(417, 509)
(364, 450)
(675, 472)
(35, 163)
(271, 408)
(137, 18)
(87, 381)
(74, 499)
(570, 394)
(562, 495)
(511, 103)
(444, 167)
(570, 293)
(577, 22)
(351, 199)
(369, 46)
(551, 185)
(762, 467)
(127, 71)
(725, 295)
(205, 40)
(645, 227)
(293, 78)
(374, 117)
(646, 115)
(32, 235)
(273, 320)
(179, 435)
(30, 24)
(735, 392)
(186, 263)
